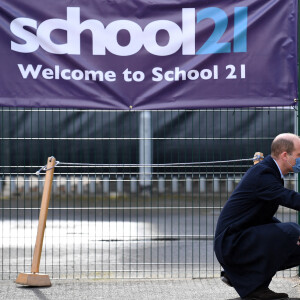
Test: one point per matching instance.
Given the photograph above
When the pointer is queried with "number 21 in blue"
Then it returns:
(221, 21)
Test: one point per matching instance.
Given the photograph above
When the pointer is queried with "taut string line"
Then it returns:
(61, 164)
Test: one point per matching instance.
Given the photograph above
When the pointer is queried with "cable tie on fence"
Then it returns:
(44, 168)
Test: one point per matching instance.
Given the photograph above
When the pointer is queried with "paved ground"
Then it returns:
(137, 289)
(154, 241)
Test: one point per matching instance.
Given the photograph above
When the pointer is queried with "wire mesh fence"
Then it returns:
(137, 194)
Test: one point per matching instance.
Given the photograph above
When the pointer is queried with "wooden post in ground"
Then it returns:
(34, 278)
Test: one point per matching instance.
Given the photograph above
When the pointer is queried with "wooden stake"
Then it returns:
(33, 278)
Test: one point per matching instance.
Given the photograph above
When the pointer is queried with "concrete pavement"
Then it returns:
(205, 289)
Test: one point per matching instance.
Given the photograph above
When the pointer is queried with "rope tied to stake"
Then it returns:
(44, 168)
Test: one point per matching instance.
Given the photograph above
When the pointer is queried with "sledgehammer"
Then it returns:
(34, 278)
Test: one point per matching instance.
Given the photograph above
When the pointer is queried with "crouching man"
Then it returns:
(250, 243)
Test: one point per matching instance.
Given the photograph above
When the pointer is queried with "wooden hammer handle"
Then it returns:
(43, 215)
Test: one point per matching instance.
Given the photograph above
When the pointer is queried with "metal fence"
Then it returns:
(144, 201)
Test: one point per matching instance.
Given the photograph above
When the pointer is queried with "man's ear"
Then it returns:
(283, 156)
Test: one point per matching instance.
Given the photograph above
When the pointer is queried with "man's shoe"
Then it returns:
(225, 279)
(266, 294)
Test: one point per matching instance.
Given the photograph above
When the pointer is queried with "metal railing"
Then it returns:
(140, 209)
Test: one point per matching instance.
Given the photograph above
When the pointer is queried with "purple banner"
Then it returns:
(148, 54)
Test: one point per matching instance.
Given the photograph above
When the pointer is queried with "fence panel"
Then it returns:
(136, 207)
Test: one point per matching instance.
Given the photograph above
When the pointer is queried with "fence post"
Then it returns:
(297, 118)
(145, 149)
(174, 184)
(133, 184)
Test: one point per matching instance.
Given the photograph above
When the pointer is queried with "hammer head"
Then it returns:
(33, 279)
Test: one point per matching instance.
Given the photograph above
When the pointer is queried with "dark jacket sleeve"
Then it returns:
(275, 220)
(270, 188)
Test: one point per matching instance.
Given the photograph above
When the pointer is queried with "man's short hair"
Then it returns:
(283, 143)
